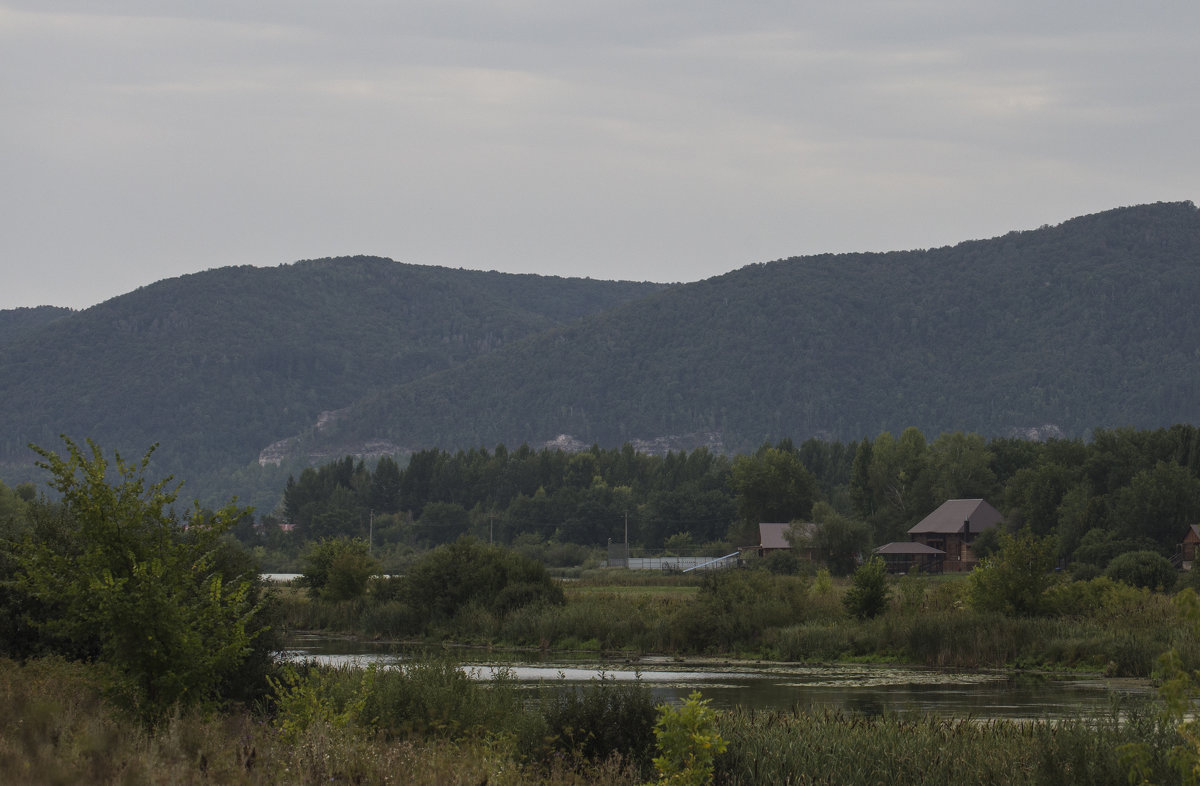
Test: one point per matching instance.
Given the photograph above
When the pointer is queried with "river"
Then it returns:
(850, 688)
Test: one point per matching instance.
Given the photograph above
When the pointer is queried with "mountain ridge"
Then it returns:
(1050, 331)
(1098, 263)
(214, 366)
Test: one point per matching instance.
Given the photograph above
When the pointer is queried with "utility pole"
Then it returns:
(371, 534)
(627, 531)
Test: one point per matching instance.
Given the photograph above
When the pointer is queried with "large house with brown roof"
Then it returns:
(953, 527)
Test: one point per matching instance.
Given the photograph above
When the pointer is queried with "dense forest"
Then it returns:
(243, 376)
(216, 366)
(17, 322)
(1123, 490)
(1046, 332)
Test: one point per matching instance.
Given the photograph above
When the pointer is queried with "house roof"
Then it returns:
(906, 547)
(951, 515)
(1193, 534)
(774, 536)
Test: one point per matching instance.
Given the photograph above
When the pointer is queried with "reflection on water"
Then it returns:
(858, 689)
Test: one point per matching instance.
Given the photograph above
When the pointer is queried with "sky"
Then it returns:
(662, 140)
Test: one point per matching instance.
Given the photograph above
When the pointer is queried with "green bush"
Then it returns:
(338, 568)
(869, 593)
(1147, 569)
(782, 562)
(1014, 580)
(603, 718)
(466, 572)
(734, 608)
(688, 743)
(112, 573)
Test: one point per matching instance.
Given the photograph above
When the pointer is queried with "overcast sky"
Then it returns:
(665, 141)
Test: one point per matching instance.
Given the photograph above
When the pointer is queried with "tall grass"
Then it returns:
(1097, 625)
(430, 725)
(831, 748)
(426, 726)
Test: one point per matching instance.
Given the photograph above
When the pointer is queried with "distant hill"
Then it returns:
(1053, 331)
(1058, 330)
(218, 365)
(17, 322)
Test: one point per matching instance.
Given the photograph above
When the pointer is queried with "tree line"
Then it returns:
(1121, 490)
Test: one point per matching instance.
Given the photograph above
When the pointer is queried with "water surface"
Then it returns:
(862, 689)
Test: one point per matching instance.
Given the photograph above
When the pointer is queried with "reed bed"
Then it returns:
(831, 748)
(1099, 626)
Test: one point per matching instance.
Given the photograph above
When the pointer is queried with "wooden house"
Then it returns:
(953, 527)
(773, 537)
(1187, 549)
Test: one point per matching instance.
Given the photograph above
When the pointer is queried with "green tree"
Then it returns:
(384, 495)
(1100, 546)
(898, 481)
(1033, 495)
(13, 510)
(338, 568)
(839, 540)
(961, 467)
(111, 572)
(1014, 580)
(772, 485)
(679, 544)
(443, 522)
(1159, 503)
(1147, 569)
(869, 593)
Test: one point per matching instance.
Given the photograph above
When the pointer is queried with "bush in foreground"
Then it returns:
(112, 573)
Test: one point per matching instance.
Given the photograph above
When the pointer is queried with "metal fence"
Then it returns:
(619, 557)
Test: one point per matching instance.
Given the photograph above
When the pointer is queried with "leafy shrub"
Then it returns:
(111, 573)
(869, 594)
(338, 568)
(688, 743)
(1079, 598)
(1147, 569)
(1014, 580)
(782, 562)
(735, 607)
(598, 720)
(467, 572)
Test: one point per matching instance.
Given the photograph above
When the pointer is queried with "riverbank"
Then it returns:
(437, 727)
(1095, 626)
(857, 689)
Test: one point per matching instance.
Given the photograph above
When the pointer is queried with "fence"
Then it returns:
(619, 557)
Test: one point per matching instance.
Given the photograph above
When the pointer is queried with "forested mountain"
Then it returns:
(218, 365)
(1062, 329)
(1058, 330)
(16, 322)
